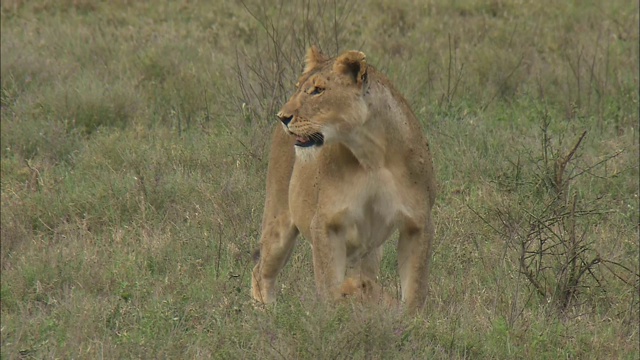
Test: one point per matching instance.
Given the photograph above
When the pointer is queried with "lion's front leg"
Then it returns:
(328, 239)
(414, 256)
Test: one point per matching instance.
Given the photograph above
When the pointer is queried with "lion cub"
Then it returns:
(366, 290)
(349, 165)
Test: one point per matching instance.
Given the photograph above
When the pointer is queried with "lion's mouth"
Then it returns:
(315, 139)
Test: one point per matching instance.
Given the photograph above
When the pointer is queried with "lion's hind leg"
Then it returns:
(277, 243)
(278, 231)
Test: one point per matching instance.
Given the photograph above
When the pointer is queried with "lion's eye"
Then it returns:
(316, 91)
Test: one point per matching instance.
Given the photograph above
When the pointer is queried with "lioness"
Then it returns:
(351, 166)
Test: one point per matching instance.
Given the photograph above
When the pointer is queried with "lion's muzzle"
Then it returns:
(315, 139)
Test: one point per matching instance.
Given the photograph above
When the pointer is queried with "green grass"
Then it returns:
(133, 155)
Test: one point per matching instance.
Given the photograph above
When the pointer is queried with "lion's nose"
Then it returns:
(284, 118)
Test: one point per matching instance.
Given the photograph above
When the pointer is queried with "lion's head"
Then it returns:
(328, 101)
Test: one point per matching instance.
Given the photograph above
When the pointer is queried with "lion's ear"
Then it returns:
(352, 63)
(314, 58)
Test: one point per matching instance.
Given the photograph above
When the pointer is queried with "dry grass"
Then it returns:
(133, 162)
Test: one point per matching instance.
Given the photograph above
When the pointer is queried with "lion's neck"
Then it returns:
(368, 147)
(384, 128)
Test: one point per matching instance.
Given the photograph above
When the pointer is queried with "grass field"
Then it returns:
(134, 142)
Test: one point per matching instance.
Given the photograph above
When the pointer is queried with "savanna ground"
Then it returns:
(134, 144)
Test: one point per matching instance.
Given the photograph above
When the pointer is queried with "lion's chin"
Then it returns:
(315, 139)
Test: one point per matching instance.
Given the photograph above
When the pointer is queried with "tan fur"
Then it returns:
(367, 291)
(372, 175)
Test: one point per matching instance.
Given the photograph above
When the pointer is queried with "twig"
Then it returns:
(495, 95)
